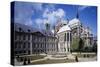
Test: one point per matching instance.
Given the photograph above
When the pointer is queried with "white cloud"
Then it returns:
(82, 8)
(24, 11)
(29, 22)
(38, 6)
(51, 7)
(40, 23)
(46, 13)
(54, 15)
(60, 13)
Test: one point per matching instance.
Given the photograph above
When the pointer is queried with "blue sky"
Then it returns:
(37, 14)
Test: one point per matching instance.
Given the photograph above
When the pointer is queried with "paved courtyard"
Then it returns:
(50, 59)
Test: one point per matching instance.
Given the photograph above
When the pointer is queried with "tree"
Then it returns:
(81, 44)
(75, 43)
(94, 48)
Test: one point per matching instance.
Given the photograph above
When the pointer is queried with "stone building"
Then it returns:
(87, 36)
(22, 40)
(64, 37)
(29, 41)
(76, 29)
(43, 42)
(33, 41)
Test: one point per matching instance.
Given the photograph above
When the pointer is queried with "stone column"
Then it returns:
(78, 30)
(30, 44)
(69, 42)
(59, 45)
(66, 43)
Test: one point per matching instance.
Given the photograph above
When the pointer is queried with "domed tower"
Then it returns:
(60, 23)
(47, 25)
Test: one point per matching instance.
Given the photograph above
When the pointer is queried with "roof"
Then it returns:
(26, 28)
(64, 28)
(74, 22)
(46, 33)
(64, 22)
(87, 30)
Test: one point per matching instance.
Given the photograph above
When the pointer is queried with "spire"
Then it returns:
(77, 14)
(67, 20)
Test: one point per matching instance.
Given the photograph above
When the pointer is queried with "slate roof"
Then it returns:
(25, 28)
(46, 33)
(64, 28)
(74, 22)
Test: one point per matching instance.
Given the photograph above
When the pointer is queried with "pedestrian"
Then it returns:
(25, 61)
(76, 58)
(28, 61)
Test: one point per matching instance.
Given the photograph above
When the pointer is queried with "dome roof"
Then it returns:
(64, 28)
(74, 22)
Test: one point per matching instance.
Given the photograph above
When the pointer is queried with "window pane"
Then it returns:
(67, 36)
(70, 37)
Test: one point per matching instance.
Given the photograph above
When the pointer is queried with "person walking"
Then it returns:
(76, 58)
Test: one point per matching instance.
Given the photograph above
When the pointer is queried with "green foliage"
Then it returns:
(94, 48)
(74, 45)
(77, 44)
(81, 44)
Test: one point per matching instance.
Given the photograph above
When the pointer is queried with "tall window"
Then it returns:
(24, 45)
(34, 45)
(29, 34)
(19, 36)
(70, 37)
(19, 46)
(15, 36)
(28, 37)
(24, 37)
(15, 45)
(41, 46)
(28, 45)
(65, 37)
